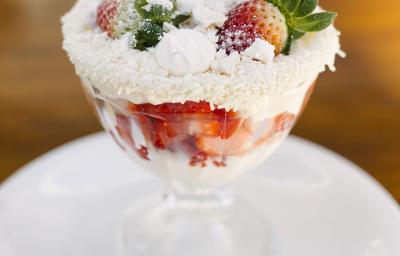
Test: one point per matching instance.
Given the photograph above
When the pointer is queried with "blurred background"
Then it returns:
(354, 111)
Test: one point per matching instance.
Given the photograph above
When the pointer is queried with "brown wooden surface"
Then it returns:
(354, 111)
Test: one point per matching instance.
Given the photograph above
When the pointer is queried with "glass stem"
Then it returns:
(200, 198)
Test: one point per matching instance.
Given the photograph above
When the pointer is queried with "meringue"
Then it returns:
(261, 50)
(185, 51)
(207, 17)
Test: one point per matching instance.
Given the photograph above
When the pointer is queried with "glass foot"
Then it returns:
(185, 226)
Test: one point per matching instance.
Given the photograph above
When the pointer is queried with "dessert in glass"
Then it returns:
(198, 93)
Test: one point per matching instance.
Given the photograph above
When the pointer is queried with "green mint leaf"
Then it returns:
(148, 35)
(289, 5)
(179, 19)
(314, 22)
(304, 8)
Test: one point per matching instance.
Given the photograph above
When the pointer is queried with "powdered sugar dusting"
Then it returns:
(119, 71)
(167, 4)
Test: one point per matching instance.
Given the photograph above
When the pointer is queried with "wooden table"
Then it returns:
(354, 111)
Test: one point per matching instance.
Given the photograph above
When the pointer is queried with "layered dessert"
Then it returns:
(199, 91)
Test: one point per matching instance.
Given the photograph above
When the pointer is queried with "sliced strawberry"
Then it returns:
(162, 134)
(284, 122)
(204, 127)
(279, 123)
(238, 143)
(250, 20)
(156, 131)
(166, 125)
(124, 129)
(229, 127)
(172, 108)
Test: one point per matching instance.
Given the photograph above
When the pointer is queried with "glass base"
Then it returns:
(195, 225)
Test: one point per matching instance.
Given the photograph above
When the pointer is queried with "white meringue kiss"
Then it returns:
(185, 51)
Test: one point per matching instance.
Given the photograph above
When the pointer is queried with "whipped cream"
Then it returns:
(249, 86)
(173, 166)
(185, 51)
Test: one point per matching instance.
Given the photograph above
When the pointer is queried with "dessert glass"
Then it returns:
(197, 151)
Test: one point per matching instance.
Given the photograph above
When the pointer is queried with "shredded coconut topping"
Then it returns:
(244, 85)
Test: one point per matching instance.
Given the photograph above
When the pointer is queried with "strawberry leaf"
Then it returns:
(304, 8)
(297, 34)
(289, 5)
(314, 22)
(288, 46)
(293, 36)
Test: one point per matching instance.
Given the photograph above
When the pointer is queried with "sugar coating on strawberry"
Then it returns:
(106, 16)
(250, 20)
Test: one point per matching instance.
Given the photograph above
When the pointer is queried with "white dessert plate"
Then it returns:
(71, 201)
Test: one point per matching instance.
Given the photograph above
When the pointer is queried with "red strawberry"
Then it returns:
(106, 16)
(230, 126)
(279, 123)
(204, 127)
(172, 108)
(284, 122)
(124, 129)
(158, 132)
(279, 22)
(170, 124)
(237, 144)
(250, 20)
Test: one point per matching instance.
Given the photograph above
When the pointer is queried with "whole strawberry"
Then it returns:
(142, 18)
(110, 15)
(106, 16)
(279, 22)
